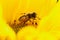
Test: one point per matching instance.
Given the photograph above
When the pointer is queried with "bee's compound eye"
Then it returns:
(34, 15)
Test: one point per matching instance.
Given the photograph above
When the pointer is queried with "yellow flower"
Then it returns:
(30, 33)
(16, 7)
(12, 9)
(51, 23)
(6, 33)
(27, 33)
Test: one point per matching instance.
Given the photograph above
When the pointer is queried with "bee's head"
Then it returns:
(33, 15)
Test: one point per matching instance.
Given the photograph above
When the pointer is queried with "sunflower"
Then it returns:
(6, 33)
(51, 23)
(13, 9)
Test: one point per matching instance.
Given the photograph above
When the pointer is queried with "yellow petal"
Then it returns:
(27, 33)
(51, 23)
(12, 9)
(30, 33)
(41, 7)
(6, 33)
(9, 7)
(46, 36)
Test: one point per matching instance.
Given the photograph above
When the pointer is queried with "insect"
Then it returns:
(27, 17)
(24, 21)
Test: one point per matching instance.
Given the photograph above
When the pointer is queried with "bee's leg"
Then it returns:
(34, 23)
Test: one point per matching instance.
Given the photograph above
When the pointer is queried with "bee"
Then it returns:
(24, 21)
